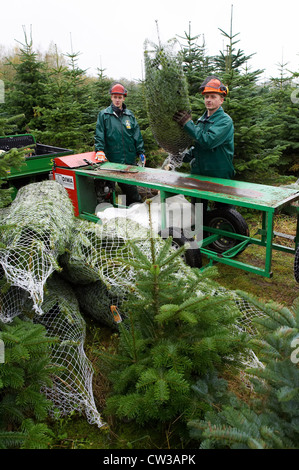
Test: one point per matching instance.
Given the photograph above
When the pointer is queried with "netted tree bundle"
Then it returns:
(36, 230)
(99, 252)
(94, 255)
(166, 91)
(98, 302)
(72, 384)
(12, 302)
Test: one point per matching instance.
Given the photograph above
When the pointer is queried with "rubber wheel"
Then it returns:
(296, 265)
(192, 255)
(229, 220)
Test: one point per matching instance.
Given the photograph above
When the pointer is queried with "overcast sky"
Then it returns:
(111, 34)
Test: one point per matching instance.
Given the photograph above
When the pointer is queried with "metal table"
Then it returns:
(267, 199)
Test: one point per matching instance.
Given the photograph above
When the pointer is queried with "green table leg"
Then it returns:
(297, 230)
(269, 240)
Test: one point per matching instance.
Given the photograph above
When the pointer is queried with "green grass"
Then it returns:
(282, 287)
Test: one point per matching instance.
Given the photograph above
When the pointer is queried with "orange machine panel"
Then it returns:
(64, 173)
(75, 161)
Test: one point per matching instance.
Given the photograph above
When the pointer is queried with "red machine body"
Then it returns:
(64, 173)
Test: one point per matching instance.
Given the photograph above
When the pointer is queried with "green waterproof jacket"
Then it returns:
(213, 151)
(118, 136)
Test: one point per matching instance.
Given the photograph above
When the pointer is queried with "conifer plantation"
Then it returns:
(183, 369)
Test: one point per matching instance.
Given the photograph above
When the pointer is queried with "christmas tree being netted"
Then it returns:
(166, 91)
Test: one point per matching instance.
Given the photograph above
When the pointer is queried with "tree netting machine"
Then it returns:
(225, 232)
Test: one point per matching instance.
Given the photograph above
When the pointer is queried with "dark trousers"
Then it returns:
(131, 193)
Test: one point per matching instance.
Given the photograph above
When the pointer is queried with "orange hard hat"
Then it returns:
(118, 89)
(212, 84)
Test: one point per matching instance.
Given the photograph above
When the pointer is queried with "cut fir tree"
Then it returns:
(176, 329)
(166, 91)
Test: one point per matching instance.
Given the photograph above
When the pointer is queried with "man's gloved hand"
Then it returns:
(101, 157)
(182, 117)
(142, 160)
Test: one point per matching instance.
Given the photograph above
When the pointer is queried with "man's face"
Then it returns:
(118, 100)
(213, 101)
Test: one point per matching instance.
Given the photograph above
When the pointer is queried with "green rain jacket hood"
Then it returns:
(213, 151)
(118, 136)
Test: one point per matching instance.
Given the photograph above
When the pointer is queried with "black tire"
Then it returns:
(192, 255)
(230, 220)
(296, 265)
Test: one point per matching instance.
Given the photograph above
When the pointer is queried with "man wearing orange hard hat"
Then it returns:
(118, 138)
(213, 133)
